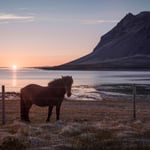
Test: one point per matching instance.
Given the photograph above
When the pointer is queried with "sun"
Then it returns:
(14, 67)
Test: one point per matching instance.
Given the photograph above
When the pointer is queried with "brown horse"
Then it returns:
(51, 95)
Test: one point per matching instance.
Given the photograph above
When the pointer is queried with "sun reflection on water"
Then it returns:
(14, 78)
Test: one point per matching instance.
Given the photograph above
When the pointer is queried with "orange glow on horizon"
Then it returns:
(31, 61)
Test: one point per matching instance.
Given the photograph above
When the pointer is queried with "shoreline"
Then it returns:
(100, 92)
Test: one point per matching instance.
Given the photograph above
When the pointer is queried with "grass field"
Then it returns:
(92, 125)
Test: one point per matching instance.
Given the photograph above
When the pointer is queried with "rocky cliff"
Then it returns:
(127, 45)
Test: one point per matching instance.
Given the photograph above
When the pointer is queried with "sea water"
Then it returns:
(85, 82)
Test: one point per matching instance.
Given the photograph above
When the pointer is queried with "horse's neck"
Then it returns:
(57, 83)
(57, 87)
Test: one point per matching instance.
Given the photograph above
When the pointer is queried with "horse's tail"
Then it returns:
(22, 107)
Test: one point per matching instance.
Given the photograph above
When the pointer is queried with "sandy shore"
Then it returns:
(105, 123)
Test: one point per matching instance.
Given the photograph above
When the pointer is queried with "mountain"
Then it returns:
(126, 46)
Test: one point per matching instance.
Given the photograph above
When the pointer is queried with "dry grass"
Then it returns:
(86, 125)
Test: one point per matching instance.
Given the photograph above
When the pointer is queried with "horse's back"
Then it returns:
(31, 89)
(32, 86)
(36, 94)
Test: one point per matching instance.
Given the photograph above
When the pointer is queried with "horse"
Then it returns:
(51, 95)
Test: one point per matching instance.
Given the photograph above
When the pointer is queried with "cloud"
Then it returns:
(7, 18)
(13, 17)
(75, 21)
(98, 21)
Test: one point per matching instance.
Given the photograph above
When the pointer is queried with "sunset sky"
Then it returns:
(53, 32)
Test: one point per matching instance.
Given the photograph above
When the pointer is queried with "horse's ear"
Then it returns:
(62, 77)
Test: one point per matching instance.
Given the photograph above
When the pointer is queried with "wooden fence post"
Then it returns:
(134, 101)
(3, 104)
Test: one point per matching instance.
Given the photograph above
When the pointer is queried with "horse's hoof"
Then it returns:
(59, 121)
(47, 120)
(26, 121)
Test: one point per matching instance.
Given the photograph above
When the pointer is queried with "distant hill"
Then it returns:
(126, 46)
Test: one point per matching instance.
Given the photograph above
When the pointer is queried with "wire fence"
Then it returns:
(135, 107)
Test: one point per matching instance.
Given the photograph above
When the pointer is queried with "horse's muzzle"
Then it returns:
(68, 94)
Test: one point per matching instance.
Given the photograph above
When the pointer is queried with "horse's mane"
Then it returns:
(55, 82)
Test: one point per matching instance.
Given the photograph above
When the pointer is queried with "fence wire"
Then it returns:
(110, 106)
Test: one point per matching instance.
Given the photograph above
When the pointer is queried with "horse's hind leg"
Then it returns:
(22, 109)
(50, 108)
(27, 108)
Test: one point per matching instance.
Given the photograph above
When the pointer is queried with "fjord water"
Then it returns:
(84, 81)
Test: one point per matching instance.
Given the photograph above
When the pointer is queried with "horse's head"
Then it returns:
(67, 81)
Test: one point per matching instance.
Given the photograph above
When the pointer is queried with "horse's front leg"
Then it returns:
(50, 108)
(57, 111)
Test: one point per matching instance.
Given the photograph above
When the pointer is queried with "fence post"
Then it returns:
(134, 101)
(3, 104)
